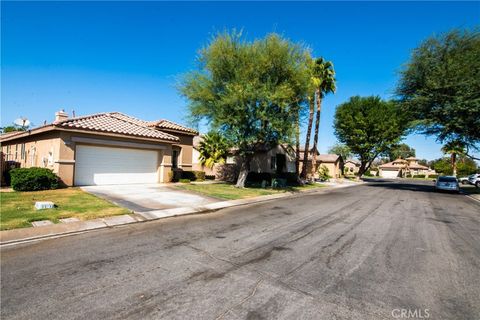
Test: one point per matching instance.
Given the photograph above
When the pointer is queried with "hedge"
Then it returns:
(419, 176)
(33, 179)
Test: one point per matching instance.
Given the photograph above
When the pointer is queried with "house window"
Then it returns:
(8, 153)
(16, 152)
(23, 152)
(175, 159)
(273, 163)
(230, 160)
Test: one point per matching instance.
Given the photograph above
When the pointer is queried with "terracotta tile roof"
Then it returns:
(115, 122)
(169, 125)
(328, 157)
(400, 164)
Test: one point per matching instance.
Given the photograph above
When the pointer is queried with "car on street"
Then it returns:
(474, 179)
(447, 183)
(464, 180)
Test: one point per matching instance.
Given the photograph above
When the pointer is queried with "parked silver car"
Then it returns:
(447, 183)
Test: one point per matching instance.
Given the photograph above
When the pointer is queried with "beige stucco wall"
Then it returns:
(333, 168)
(186, 145)
(42, 150)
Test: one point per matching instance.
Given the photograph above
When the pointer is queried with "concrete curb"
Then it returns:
(24, 235)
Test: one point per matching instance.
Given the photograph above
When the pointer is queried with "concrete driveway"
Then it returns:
(148, 197)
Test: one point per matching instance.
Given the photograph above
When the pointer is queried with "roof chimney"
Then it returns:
(60, 116)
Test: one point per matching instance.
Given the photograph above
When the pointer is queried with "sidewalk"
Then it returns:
(15, 236)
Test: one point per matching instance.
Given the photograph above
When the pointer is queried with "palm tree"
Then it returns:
(453, 148)
(323, 79)
(213, 149)
(311, 103)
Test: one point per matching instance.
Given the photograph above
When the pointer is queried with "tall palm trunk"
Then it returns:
(307, 140)
(453, 158)
(297, 145)
(317, 126)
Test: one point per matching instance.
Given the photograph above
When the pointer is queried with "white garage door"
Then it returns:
(103, 165)
(390, 174)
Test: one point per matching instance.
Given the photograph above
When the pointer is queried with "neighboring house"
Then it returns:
(351, 166)
(280, 158)
(401, 167)
(103, 148)
(333, 162)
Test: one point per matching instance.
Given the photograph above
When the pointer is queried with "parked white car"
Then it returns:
(447, 183)
(463, 180)
(474, 179)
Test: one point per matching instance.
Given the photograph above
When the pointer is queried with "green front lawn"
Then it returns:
(229, 192)
(17, 208)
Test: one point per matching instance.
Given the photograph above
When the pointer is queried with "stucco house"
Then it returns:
(333, 162)
(351, 166)
(103, 148)
(401, 167)
(279, 159)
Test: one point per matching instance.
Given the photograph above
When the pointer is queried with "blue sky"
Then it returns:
(125, 56)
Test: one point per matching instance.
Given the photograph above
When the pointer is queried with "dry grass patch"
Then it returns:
(17, 208)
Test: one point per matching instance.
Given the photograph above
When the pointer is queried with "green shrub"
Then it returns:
(323, 173)
(9, 166)
(184, 180)
(419, 176)
(368, 174)
(290, 177)
(279, 183)
(258, 177)
(188, 175)
(199, 175)
(210, 177)
(433, 176)
(33, 179)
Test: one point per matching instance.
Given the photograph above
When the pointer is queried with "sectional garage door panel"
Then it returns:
(103, 165)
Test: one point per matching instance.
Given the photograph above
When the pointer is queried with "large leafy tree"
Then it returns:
(466, 166)
(213, 149)
(401, 150)
(14, 128)
(249, 92)
(369, 126)
(323, 78)
(439, 88)
(341, 149)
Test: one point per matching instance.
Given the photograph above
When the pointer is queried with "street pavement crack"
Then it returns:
(243, 300)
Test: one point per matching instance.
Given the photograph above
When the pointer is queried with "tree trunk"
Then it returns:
(297, 146)
(317, 126)
(454, 163)
(362, 169)
(244, 168)
(307, 140)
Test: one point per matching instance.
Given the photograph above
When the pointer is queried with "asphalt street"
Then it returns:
(382, 250)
